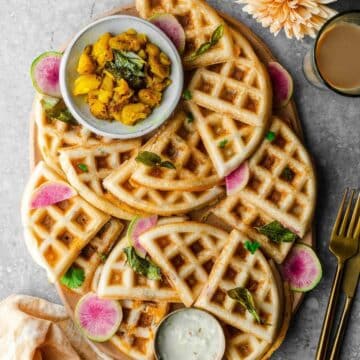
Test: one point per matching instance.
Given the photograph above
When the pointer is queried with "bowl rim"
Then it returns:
(67, 96)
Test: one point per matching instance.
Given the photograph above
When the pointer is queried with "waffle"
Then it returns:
(100, 161)
(239, 88)
(93, 254)
(56, 234)
(179, 142)
(199, 21)
(185, 253)
(119, 281)
(242, 215)
(244, 346)
(237, 267)
(135, 336)
(154, 201)
(291, 202)
(54, 135)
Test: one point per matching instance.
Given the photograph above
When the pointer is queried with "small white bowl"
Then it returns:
(77, 104)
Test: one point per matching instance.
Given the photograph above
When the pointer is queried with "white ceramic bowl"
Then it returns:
(77, 104)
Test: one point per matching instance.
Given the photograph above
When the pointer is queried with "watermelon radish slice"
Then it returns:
(51, 193)
(172, 28)
(238, 179)
(302, 268)
(282, 84)
(138, 226)
(98, 319)
(45, 73)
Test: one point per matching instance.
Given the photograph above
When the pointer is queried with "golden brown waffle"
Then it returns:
(96, 251)
(100, 161)
(242, 215)
(152, 201)
(282, 180)
(243, 346)
(178, 142)
(237, 267)
(119, 281)
(53, 135)
(185, 252)
(135, 336)
(239, 88)
(56, 234)
(199, 21)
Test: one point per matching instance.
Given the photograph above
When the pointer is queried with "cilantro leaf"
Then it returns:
(142, 266)
(252, 246)
(276, 232)
(73, 278)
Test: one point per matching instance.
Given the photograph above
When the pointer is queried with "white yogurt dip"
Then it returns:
(190, 334)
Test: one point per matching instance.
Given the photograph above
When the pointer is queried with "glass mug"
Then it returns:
(344, 31)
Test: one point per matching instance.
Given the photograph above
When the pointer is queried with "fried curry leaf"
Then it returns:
(276, 232)
(149, 158)
(251, 246)
(244, 298)
(167, 164)
(55, 109)
(73, 278)
(142, 266)
(128, 66)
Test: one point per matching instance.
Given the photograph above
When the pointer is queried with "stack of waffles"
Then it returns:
(222, 123)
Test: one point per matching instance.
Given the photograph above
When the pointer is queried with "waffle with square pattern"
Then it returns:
(178, 142)
(282, 179)
(152, 201)
(93, 254)
(119, 281)
(185, 253)
(237, 267)
(135, 336)
(242, 215)
(199, 21)
(56, 234)
(53, 135)
(243, 346)
(99, 162)
(239, 88)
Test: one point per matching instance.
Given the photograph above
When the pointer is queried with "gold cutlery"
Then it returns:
(344, 245)
(350, 283)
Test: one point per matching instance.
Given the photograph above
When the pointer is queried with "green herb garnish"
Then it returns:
(55, 109)
(244, 298)
(271, 136)
(252, 246)
(129, 66)
(73, 278)
(287, 174)
(189, 117)
(223, 143)
(102, 256)
(187, 95)
(142, 266)
(276, 232)
(83, 167)
(215, 37)
(149, 158)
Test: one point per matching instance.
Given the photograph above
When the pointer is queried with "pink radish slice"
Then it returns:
(302, 268)
(282, 84)
(238, 179)
(98, 319)
(136, 228)
(45, 73)
(51, 193)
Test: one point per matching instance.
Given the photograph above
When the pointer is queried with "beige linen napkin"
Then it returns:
(35, 329)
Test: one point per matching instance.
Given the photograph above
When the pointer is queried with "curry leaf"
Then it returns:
(276, 232)
(223, 143)
(217, 35)
(244, 298)
(142, 266)
(270, 136)
(167, 164)
(148, 158)
(55, 109)
(252, 246)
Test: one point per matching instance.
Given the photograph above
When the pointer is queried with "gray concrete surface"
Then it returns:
(331, 124)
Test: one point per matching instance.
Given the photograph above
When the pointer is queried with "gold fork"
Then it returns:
(344, 245)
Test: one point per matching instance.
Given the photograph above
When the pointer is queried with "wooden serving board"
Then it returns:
(289, 113)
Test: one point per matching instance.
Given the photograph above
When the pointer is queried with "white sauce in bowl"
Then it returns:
(189, 334)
